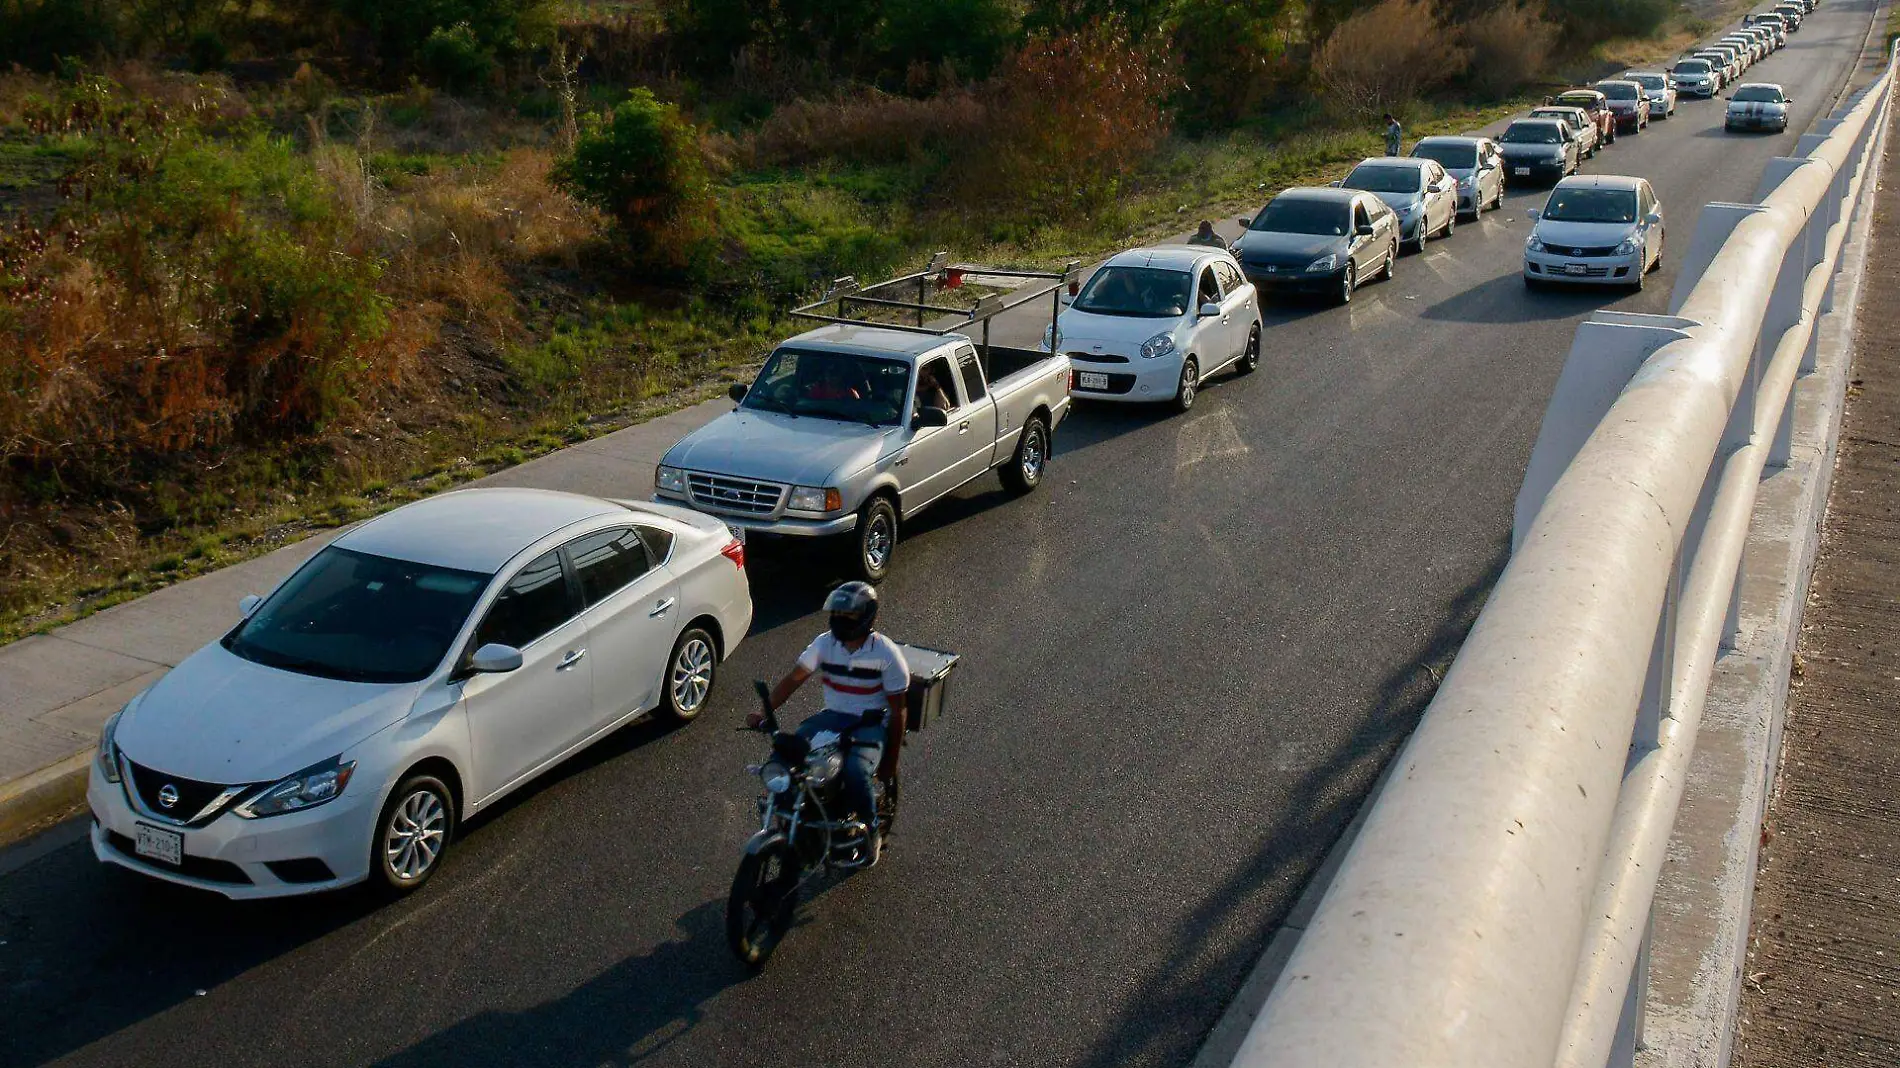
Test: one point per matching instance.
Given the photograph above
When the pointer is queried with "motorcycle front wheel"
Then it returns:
(764, 896)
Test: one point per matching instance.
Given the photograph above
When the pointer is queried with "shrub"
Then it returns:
(1509, 45)
(1382, 58)
(1222, 49)
(454, 59)
(1600, 20)
(871, 128)
(643, 166)
(37, 34)
(971, 36)
(401, 28)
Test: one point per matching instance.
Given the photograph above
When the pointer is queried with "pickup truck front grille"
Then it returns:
(742, 496)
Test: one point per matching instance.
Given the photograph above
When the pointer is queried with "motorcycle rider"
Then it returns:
(866, 685)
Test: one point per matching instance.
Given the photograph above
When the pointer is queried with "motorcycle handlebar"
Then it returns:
(765, 703)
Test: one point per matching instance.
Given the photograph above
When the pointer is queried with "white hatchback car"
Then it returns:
(408, 676)
(1153, 323)
(1596, 229)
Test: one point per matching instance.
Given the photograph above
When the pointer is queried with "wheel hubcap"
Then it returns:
(692, 675)
(1032, 454)
(877, 541)
(415, 835)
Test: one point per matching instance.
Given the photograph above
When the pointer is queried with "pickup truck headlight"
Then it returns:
(669, 480)
(108, 755)
(815, 499)
(1324, 263)
(1535, 244)
(313, 786)
(1158, 345)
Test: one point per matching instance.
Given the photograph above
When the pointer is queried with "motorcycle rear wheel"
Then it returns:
(764, 897)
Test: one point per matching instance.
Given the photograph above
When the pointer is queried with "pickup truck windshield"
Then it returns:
(1136, 292)
(831, 385)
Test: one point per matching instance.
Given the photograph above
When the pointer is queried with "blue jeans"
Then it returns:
(860, 760)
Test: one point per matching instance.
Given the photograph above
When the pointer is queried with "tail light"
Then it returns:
(734, 551)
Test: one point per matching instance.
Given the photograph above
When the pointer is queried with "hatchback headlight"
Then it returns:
(1627, 247)
(1324, 263)
(108, 755)
(670, 480)
(1535, 244)
(1158, 345)
(315, 785)
(815, 499)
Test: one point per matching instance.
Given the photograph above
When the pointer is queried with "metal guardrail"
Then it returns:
(1494, 909)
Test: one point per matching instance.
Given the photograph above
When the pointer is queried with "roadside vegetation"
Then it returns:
(271, 265)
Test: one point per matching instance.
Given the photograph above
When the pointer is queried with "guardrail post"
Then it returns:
(1629, 1027)
(1607, 350)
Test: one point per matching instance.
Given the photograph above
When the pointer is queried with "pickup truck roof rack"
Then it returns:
(846, 293)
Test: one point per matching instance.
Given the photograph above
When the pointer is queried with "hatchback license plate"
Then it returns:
(160, 844)
(1522, 172)
(1576, 268)
(1088, 380)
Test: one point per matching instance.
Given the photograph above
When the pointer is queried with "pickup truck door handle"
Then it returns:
(573, 657)
(901, 461)
(665, 605)
(963, 427)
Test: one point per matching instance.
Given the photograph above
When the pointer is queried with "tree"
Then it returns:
(643, 165)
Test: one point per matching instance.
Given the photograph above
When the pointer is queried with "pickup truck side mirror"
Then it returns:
(736, 391)
(930, 417)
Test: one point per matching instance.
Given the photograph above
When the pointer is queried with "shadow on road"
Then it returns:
(1506, 300)
(1328, 794)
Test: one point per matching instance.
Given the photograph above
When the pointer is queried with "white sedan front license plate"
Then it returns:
(1576, 268)
(1090, 380)
(160, 844)
(1522, 172)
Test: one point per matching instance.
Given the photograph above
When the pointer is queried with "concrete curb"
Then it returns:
(49, 795)
(1704, 898)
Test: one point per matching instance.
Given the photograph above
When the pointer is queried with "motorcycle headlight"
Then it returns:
(1627, 247)
(1158, 345)
(776, 777)
(815, 499)
(669, 480)
(107, 756)
(1327, 262)
(1535, 244)
(315, 785)
(1051, 337)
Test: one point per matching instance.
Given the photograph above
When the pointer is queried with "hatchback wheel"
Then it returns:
(1250, 356)
(1190, 384)
(414, 832)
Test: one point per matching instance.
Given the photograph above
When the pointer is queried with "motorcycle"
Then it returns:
(806, 829)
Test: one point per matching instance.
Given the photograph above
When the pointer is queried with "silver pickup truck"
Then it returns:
(858, 425)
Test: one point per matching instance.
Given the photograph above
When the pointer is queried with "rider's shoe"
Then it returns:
(875, 850)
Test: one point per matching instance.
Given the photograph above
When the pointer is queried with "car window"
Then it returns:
(535, 601)
(1384, 178)
(1302, 215)
(830, 385)
(1359, 216)
(659, 543)
(1592, 205)
(607, 561)
(1230, 280)
(1760, 94)
(935, 387)
(1535, 133)
(1447, 153)
(1209, 292)
(1137, 292)
(972, 373)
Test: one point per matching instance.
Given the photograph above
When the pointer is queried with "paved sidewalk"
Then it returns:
(1822, 981)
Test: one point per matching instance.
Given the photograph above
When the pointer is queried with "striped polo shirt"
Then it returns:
(857, 681)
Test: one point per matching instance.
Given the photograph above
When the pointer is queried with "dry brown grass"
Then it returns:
(1385, 57)
(870, 127)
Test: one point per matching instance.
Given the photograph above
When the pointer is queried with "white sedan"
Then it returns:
(408, 676)
(1153, 323)
(1757, 106)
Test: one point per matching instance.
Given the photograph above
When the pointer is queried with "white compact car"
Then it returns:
(1757, 106)
(408, 676)
(1152, 323)
(1598, 229)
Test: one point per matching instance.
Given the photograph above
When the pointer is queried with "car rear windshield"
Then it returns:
(1136, 292)
(1382, 178)
(1461, 157)
(1760, 94)
(1693, 66)
(1620, 92)
(361, 618)
(844, 386)
(1578, 100)
(1298, 215)
(1592, 205)
(1533, 133)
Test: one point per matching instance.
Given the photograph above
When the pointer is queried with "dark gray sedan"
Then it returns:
(1538, 148)
(1325, 241)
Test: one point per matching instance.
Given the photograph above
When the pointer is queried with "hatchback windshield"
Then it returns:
(831, 385)
(1592, 206)
(1136, 292)
(1299, 215)
(1383, 179)
(1693, 66)
(1449, 155)
(1759, 94)
(1533, 133)
(362, 618)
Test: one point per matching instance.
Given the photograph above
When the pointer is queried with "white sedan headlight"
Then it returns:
(1158, 345)
(669, 480)
(1627, 247)
(1325, 263)
(108, 754)
(1535, 244)
(315, 785)
(815, 499)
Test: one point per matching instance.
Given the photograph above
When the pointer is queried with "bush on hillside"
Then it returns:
(38, 34)
(400, 29)
(643, 165)
(1510, 48)
(1383, 58)
(1591, 21)
(872, 128)
(970, 36)
(454, 59)
(1223, 47)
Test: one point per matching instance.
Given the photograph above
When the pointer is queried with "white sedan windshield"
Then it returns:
(1592, 206)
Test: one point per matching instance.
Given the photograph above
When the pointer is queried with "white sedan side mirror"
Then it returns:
(494, 659)
(1535, 214)
(247, 604)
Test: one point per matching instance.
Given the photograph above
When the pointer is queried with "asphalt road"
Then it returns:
(1186, 659)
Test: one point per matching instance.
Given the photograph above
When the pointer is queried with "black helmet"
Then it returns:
(853, 608)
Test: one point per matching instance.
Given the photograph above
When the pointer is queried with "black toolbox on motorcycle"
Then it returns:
(929, 684)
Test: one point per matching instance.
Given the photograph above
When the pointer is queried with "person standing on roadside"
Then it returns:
(1394, 135)
(1206, 236)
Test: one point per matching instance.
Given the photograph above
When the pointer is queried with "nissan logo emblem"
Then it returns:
(168, 795)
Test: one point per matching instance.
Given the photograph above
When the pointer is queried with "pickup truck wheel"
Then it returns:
(876, 540)
(1190, 383)
(1024, 470)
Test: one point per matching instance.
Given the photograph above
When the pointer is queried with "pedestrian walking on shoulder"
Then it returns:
(1206, 236)
(1394, 135)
